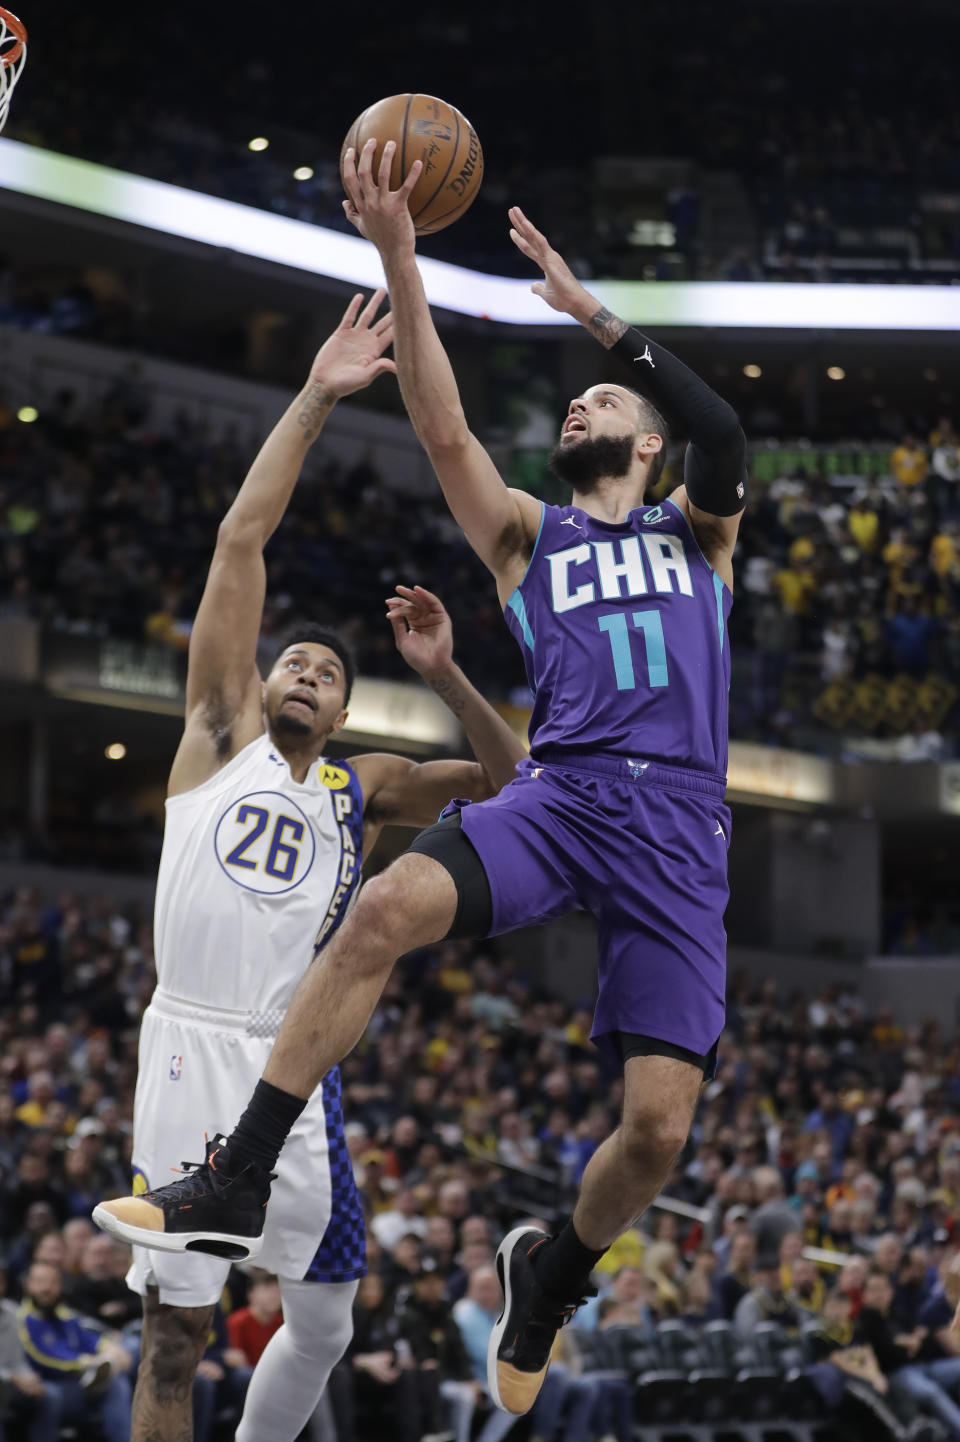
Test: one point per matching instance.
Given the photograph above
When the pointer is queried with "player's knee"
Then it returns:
(653, 1137)
(402, 903)
(175, 1340)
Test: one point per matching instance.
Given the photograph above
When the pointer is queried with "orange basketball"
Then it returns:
(430, 130)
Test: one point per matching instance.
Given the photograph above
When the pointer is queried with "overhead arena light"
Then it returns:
(743, 305)
(752, 372)
(303, 172)
(259, 142)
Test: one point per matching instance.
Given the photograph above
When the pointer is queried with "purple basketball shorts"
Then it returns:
(644, 848)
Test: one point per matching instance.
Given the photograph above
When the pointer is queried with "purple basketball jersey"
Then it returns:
(623, 630)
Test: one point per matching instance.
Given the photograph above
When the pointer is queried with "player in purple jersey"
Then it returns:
(621, 610)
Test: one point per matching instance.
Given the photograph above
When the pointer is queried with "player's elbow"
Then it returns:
(730, 433)
(474, 783)
(483, 786)
(722, 424)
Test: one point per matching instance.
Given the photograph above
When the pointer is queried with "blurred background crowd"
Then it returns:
(759, 173)
(846, 618)
(811, 1215)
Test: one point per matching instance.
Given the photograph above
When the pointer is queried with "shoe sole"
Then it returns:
(504, 1255)
(217, 1244)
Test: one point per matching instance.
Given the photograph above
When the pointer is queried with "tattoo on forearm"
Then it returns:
(450, 694)
(312, 413)
(606, 327)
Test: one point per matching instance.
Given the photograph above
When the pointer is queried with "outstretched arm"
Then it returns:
(500, 524)
(223, 711)
(397, 790)
(715, 467)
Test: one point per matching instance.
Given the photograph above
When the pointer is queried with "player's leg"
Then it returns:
(445, 885)
(629, 1169)
(172, 1343)
(441, 887)
(410, 904)
(543, 1278)
(292, 1373)
(659, 900)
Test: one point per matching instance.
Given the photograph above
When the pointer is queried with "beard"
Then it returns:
(584, 464)
(291, 726)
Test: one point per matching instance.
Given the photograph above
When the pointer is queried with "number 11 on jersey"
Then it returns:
(615, 625)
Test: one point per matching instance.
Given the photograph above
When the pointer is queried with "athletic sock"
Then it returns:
(562, 1267)
(264, 1127)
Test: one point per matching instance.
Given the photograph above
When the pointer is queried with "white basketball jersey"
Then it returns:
(256, 871)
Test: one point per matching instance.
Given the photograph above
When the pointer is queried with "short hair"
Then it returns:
(652, 420)
(322, 636)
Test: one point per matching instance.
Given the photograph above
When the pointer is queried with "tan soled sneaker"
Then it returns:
(207, 1210)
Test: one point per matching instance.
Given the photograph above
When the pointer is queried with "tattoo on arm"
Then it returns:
(450, 694)
(606, 327)
(312, 414)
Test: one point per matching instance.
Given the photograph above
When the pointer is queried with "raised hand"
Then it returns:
(559, 287)
(421, 629)
(354, 355)
(379, 213)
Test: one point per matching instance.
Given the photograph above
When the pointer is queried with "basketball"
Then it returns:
(434, 132)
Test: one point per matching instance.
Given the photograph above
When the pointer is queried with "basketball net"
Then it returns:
(13, 57)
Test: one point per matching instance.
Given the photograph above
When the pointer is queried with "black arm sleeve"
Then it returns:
(715, 470)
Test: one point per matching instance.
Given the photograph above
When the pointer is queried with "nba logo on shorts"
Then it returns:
(176, 1066)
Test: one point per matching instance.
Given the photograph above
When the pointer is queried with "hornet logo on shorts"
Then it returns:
(176, 1067)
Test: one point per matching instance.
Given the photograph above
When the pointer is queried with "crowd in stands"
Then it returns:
(107, 528)
(841, 179)
(846, 621)
(847, 606)
(805, 1231)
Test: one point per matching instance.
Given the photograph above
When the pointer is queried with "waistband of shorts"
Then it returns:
(634, 768)
(196, 1013)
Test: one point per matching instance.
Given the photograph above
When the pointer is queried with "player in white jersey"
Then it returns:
(261, 858)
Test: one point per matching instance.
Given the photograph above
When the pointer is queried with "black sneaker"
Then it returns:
(523, 1336)
(207, 1210)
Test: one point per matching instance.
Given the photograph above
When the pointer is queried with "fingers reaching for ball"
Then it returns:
(430, 155)
(559, 288)
(526, 237)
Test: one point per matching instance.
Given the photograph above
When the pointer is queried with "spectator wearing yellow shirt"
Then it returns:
(864, 526)
(802, 550)
(908, 462)
(626, 1251)
(797, 586)
(41, 1096)
(898, 554)
(945, 550)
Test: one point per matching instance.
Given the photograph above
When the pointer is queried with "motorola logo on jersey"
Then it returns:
(333, 777)
(265, 843)
(628, 566)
